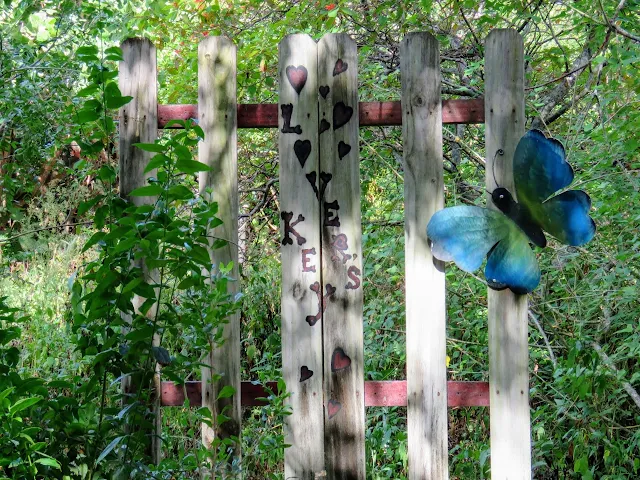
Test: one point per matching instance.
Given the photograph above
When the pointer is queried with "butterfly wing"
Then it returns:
(466, 234)
(566, 217)
(540, 170)
(512, 264)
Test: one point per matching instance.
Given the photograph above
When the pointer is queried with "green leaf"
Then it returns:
(140, 334)
(191, 166)
(90, 90)
(87, 50)
(86, 206)
(113, 54)
(113, 98)
(59, 384)
(117, 102)
(201, 255)
(108, 449)
(181, 152)
(6, 392)
(23, 404)
(151, 147)
(86, 116)
(49, 462)
(146, 191)
(95, 238)
(180, 192)
(99, 218)
(157, 161)
(226, 392)
(132, 284)
(107, 174)
(173, 123)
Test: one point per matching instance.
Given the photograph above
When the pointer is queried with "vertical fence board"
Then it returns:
(300, 187)
(138, 123)
(217, 117)
(425, 284)
(508, 328)
(341, 258)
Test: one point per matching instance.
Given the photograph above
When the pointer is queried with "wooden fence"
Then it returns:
(318, 117)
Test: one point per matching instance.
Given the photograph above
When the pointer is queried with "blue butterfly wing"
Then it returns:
(464, 234)
(539, 168)
(512, 264)
(539, 171)
(467, 234)
(566, 217)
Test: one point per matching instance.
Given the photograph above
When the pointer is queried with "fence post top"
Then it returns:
(218, 39)
(426, 35)
(137, 40)
(504, 32)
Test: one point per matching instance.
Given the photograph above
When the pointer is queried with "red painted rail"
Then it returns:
(371, 114)
(376, 394)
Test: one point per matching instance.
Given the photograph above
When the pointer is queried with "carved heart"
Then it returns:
(343, 149)
(302, 148)
(324, 126)
(339, 359)
(305, 373)
(341, 243)
(297, 77)
(333, 407)
(324, 91)
(340, 67)
(325, 177)
(341, 115)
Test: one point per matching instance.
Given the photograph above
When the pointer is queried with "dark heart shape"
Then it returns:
(333, 407)
(340, 67)
(297, 77)
(303, 150)
(324, 91)
(324, 126)
(343, 149)
(339, 360)
(305, 373)
(341, 115)
(325, 177)
(341, 243)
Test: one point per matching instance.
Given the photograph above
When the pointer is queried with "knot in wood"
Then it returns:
(418, 100)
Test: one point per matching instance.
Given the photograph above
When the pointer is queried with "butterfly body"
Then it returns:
(502, 198)
(466, 234)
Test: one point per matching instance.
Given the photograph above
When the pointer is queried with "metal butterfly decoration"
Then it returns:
(466, 234)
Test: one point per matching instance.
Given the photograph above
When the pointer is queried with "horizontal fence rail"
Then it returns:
(371, 114)
(389, 393)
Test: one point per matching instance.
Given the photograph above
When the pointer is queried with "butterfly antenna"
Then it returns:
(493, 166)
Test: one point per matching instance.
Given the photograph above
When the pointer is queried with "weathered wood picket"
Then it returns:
(318, 118)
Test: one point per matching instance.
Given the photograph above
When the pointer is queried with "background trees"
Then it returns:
(582, 87)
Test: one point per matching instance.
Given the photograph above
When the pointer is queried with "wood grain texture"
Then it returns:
(389, 393)
(217, 117)
(424, 275)
(138, 123)
(508, 327)
(342, 260)
(370, 114)
(300, 250)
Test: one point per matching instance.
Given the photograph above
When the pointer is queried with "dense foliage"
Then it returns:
(64, 341)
